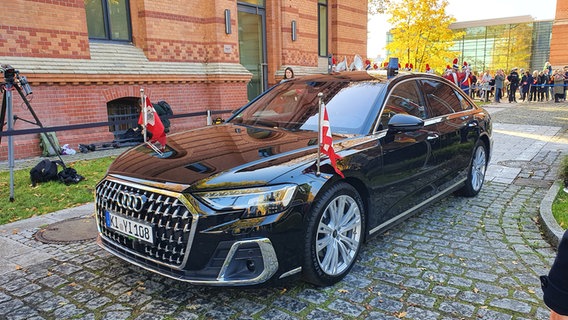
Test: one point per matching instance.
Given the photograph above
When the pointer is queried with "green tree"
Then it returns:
(421, 34)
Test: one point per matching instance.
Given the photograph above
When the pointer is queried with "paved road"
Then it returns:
(460, 258)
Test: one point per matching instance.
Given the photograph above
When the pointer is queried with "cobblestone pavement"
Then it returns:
(461, 258)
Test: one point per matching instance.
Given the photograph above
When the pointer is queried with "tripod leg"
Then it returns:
(3, 114)
(7, 106)
(38, 122)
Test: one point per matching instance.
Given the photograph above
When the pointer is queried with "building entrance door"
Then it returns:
(252, 46)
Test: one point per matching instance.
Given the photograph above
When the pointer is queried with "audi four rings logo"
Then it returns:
(131, 201)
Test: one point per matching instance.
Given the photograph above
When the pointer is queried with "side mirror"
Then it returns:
(405, 123)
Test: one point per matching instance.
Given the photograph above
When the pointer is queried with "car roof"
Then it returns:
(376, 75)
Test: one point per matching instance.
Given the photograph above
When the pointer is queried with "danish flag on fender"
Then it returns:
(327, 142)
(153, 123)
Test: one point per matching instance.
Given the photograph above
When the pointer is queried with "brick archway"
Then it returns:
(123, 91)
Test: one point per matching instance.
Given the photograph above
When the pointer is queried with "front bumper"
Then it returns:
(247, 262)
(181, 249)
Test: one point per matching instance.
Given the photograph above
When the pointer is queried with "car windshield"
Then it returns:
(294, 106)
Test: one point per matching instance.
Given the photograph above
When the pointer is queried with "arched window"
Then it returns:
(108, 19)
(124, 111)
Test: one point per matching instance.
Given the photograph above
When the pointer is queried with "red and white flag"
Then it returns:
(153, 123)
(327, 142)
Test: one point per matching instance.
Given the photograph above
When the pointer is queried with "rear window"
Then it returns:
(441, 98)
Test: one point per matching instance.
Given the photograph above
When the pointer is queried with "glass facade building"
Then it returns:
(504, 43)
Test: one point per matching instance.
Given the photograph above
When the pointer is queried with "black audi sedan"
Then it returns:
(247, 201)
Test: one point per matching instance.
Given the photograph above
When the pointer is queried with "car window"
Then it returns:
(441, 98)
(295, 106)
(464, 103)
(404, 99)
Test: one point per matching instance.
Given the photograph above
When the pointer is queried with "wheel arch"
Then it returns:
(361, 190)
(487, 141)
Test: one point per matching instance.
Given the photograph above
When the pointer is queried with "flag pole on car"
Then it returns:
(143, 107)
(154, 125)
(320, 124)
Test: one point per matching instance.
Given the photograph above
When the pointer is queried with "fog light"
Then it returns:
(250, 265)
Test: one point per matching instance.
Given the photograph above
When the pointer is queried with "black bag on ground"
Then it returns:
(45, 170)
(164, 112)
(69, 176)
(131, 135)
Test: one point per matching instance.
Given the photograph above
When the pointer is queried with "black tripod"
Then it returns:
(12, 79)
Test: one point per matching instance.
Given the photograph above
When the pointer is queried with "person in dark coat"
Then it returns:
(526, 81)
(514, 80)
(555, 284)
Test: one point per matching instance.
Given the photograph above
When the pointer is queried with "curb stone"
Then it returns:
(551, 229)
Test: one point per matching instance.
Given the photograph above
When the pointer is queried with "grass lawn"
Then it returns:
(48, 196)
(560, 204)
(560, 208)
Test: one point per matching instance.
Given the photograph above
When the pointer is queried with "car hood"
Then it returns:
(220, 156)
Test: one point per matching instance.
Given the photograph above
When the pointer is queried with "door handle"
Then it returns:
(432, 136)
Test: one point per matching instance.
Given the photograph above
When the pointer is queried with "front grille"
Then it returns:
(170, 218)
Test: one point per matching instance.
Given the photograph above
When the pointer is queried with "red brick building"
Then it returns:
(87, 60)
(559, 40)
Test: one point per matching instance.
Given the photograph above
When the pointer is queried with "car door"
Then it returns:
(405, 180)
(452, 115)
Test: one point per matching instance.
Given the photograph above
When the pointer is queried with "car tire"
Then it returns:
(334, 235)
(476, 172)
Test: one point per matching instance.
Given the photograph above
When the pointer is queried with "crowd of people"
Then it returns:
(539, 85)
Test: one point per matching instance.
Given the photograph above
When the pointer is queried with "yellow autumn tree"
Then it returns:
(421, 34)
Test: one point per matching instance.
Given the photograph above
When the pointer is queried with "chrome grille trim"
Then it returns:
(172, 216)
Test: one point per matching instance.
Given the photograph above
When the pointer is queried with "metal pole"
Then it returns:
(143, 106)
(209, 120)
(10, 121)
(320, 132)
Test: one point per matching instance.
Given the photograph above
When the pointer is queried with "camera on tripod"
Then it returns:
(10, 76)
(9, 73)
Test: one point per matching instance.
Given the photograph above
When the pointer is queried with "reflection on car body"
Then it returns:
(241, 204)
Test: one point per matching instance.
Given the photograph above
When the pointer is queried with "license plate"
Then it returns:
(135, 229)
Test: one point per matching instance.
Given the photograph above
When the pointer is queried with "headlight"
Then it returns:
(257, 201)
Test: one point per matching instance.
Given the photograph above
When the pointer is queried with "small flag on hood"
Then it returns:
(153, 123)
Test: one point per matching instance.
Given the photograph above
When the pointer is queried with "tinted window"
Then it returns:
(464, 103)
(441, 98)
(405, 99)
